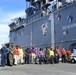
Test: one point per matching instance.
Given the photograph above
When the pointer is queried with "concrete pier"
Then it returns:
(36, 69)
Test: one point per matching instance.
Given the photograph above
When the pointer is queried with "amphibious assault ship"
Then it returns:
(47, 23)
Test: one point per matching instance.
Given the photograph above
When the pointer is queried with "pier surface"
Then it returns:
(36, 69)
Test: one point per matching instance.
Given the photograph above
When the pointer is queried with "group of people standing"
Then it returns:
(16, 55)
(12, 55)
(47, 55)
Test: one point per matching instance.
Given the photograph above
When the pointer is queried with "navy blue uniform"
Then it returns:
(4, 52)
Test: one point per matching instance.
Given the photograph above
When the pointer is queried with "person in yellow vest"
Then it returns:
(51, 55)
(21, 61)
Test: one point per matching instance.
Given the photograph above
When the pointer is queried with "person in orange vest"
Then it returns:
(57, 54)
(68, 54)
(16, 55)
(63, 54)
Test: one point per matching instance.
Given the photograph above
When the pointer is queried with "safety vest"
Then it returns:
(16, 51)
(57, 51)
(21, 51)
(69, 52)
(51, 53)
(63, 52)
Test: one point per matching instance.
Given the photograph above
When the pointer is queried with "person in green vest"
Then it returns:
(11, 57)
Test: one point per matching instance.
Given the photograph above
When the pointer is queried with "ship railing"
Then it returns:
(72, 40)
(17, 23)
(33, 17)
(17, 27)
(36, 17)
(67, 3)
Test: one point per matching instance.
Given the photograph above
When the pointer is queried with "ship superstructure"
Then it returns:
(47, 23)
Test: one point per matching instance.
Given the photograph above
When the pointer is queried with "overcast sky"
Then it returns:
(9, 9)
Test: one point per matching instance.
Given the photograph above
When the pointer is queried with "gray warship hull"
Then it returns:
(60, 27)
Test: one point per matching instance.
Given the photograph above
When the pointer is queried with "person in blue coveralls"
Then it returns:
(74, 50)
(4, 52)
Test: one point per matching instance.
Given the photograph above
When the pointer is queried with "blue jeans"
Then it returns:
(40, 59)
